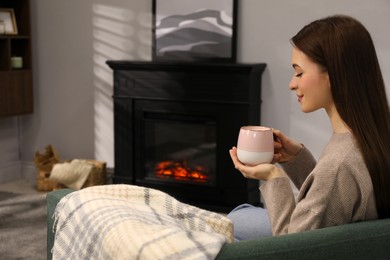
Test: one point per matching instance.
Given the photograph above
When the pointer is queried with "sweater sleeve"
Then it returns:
(280, 201)
(300, 167)
(328, 197)
(337, 191)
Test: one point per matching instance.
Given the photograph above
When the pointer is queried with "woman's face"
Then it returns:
(311, 83)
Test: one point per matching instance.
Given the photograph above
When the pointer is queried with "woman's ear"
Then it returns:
(327, 77)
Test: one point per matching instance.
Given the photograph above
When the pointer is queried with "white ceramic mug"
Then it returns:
(255, 145)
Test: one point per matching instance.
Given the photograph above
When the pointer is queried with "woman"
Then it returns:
(336, 68)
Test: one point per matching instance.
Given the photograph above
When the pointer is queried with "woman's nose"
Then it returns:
(292, 85)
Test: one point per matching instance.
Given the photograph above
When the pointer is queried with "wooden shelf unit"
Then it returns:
(16, 85)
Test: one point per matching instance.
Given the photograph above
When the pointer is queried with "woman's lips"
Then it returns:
(299, 98)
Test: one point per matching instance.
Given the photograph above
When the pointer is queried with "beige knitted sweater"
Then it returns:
(336, 190)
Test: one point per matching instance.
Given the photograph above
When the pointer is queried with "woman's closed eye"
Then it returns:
(298, 75)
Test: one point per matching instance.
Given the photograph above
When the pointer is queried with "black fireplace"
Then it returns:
(175, 123)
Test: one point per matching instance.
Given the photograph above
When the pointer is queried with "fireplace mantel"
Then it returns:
(224, 95)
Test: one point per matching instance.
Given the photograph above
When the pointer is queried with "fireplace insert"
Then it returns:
(174, 124)
(178, 148)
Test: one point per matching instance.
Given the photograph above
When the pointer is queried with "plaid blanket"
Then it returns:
(132, 222)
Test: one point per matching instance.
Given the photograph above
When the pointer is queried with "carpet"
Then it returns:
(22, 226)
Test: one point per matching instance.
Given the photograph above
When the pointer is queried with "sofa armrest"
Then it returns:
(363, 240)
(52, 198)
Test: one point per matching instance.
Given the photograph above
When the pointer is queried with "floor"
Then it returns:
(22, 186)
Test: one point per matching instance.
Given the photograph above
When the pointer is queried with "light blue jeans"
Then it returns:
(250, 222)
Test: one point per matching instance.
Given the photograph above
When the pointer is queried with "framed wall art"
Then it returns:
(7, 16)
(189, 30)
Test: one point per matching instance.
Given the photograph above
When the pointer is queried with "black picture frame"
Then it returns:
(194, 30)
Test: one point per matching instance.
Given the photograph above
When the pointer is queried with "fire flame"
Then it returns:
(179, 171)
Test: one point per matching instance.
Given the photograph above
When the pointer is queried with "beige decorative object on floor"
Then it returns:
(45, 162)
(72, 174)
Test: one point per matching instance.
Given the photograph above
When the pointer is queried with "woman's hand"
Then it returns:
(285, 148)
(264, 172)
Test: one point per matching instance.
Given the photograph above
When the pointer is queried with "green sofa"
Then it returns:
(364, 240)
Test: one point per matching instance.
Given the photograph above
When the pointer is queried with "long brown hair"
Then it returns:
(344, 47)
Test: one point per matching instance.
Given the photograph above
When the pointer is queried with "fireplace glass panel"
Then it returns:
(180, 148)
